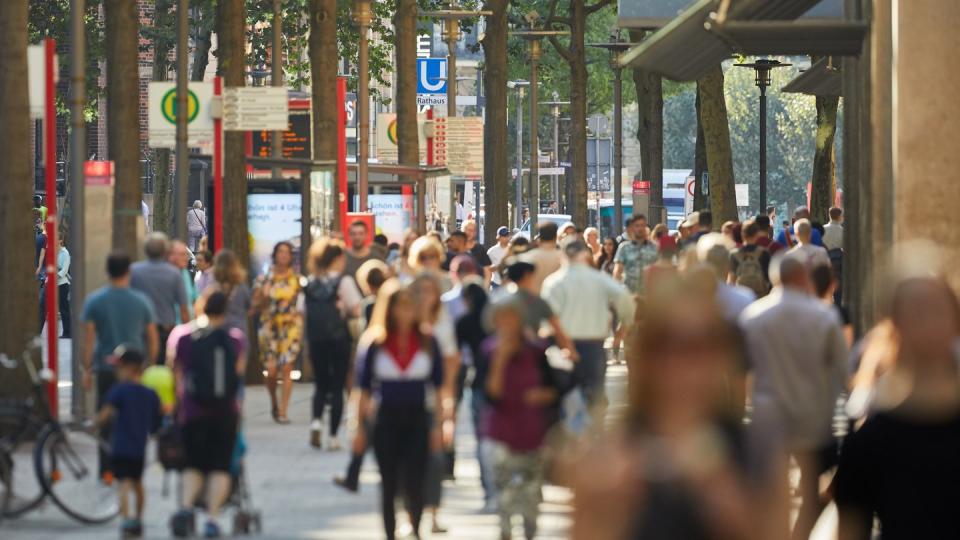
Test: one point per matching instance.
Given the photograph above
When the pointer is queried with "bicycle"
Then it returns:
(66, 456)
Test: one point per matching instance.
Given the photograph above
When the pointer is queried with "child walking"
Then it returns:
(135, 411)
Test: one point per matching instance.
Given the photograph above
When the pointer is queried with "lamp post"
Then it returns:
(75, 211)
(763, 67)
(617, 47)
(276, 68)
(534, 34)
(555, 112)
(363, 17)
(518, 201)
(451, 35)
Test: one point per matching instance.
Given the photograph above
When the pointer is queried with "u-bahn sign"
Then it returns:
(162, 114)
(431, 81)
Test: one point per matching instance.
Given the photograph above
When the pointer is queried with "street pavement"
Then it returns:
(291, 485)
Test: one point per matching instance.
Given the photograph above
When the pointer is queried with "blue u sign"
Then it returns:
(431, 75)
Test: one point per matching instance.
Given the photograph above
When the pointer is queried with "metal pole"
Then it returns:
(763, 150)
(276, 67)
(78, 153)
(518, 203)
(617, 151)
(453, 35)
(363, 109)
(534, 143)
(597, 165)
(183, 152)
(53, 245)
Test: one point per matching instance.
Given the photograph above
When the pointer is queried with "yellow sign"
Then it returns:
(168, 105)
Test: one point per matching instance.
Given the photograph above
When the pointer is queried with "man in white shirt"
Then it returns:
(812, 255)
(714, 250)
(546, 258)
(798, 357)
(833, 231)
(582, 296)
(497, 253)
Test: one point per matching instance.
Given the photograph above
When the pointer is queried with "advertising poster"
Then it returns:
(271, 218)
(393, 215)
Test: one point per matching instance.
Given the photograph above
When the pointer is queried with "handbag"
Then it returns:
(171, 452)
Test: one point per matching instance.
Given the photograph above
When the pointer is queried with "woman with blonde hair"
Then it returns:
(400, 368)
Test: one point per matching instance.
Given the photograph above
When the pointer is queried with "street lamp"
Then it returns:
(555, 112)
(763, 67)
(534, 35)
(518, 201)
(363, 17)
(451, 35)
(617, 47)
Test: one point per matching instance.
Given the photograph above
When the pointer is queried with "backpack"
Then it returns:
(749, 272)
(212, 378)
(324, 320)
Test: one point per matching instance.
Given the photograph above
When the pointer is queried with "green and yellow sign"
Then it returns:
(168, 106)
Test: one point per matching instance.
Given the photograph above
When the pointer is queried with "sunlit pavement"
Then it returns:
(291, 485)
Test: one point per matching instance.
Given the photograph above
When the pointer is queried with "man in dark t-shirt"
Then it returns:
(359, 251)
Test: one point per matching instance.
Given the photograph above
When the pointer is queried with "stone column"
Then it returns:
(926, 126)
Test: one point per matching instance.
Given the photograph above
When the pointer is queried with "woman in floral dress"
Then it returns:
(278, 298)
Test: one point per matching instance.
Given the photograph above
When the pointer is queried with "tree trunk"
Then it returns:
(699, 160)
(405, 23)
(162, 179)
(824, 181)
(323, 72)
(578, 112)
(231, 54)
(497, 179)
(123, 119)
(716, 131)
(18, 288)
(650, 132)
(201, 56)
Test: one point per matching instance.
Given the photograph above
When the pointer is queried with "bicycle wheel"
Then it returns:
(67, 459)
(20, 490)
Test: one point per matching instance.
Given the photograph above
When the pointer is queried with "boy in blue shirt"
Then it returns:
(135, 411)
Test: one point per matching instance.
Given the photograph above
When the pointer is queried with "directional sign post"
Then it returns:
(255, 109)
(431, 81)
(162, 115)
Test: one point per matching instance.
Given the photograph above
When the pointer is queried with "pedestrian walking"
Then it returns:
(813, 255)
(634, 256)
(899, 466)
(591, 235)
(522, 394)
(229, 277)
(608, 253)
(788, 236)
(750, 263)
(134, 412)
(63, 292)
(114, 315)
(582, 297)
(164, 286)
(179, 257)
(196, 225)
(204, 276)
(798, 358)
(277, 297)
(713, 250)
(401, 368)
(360, 251)
(332, 300)
(210, 361)
(546, 258)
(476, 250)
(674, 467)
(496, 253)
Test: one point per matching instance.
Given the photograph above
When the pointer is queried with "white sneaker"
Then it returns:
(333, 444)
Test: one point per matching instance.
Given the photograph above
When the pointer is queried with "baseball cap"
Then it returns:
(503, 231)
(692, 220)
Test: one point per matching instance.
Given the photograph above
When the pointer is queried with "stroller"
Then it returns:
(246, 519)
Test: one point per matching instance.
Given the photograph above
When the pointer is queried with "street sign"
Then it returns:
(253, 109)
(552, 171)
(458, 144)
(36, 79)
(431, 81)
(641, 186)
(162, 114)
(387, 149)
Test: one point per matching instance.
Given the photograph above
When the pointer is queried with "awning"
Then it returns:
(693, 43)
(794, 37)
(822, 79)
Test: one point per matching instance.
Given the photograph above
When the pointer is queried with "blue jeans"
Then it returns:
(478, 404)
(591, 370)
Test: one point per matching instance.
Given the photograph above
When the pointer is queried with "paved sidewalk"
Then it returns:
(291, 485)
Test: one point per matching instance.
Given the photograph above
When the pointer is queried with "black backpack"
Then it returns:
(212, 378)
(324, 320)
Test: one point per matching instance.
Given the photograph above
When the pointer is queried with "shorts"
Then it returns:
(209, 443)
(126, 468)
